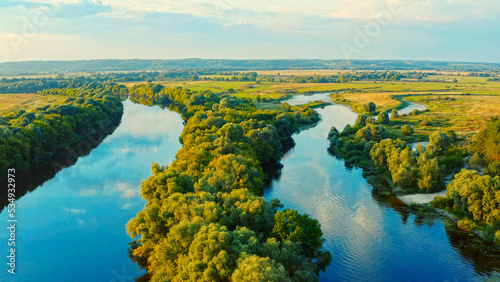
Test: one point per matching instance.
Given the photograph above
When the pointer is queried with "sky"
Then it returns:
(442, 30)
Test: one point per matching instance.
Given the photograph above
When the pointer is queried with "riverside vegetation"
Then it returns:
(473, 195)
(30, 136)
(204, 219)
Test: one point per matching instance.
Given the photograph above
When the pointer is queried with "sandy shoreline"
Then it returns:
(421, 198)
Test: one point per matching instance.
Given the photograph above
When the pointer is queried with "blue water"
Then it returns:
(72, 228)
(370, 237)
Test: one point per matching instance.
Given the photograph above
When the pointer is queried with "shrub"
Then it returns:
(466, 223)
(425, 123)
(442, 202)
(407, 130)
(394, 114)
(370, 107)
(383, 118)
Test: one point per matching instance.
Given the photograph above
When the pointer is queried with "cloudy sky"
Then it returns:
(449, 30)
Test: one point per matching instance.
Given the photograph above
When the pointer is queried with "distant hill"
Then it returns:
(51, 67)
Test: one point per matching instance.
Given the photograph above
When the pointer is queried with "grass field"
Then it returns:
(465, 114)
(10, 101)
(455, 100)
(279, 89)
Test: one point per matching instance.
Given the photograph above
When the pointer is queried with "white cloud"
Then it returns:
(128, 191)
(75, 211)
(86, 29)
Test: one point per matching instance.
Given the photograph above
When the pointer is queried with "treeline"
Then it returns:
(487, 141)
(27, 137)
(359, 76)
(204, 220)
(475, 192)
(422, 169)
(38, 67)
(34, 85)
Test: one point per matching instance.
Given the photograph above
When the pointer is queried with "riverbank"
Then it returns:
(420, 198)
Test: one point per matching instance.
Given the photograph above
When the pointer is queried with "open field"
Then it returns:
(9, 101)
(283, 86)
(465, 114)
(456, 101)
(12, 102)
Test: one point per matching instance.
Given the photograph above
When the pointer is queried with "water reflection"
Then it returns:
(72, 227)
(39, 173)
(370, 236)
(304, 99)
(411, 107)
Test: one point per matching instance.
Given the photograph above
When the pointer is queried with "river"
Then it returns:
(72, 227)
(371, 237)
(411, 107)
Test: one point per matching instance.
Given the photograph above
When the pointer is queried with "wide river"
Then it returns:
(72, 227)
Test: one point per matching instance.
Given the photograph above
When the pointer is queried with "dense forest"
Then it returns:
(204, 219)
(54, 67)
(27, 137)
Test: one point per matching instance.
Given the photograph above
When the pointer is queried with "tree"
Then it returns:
(451, 133)
(383, 118)
(477, 195)
(370, 107)
(430, 174)
(394, 114)
(378, 131)
(381, 151)
(349, 146)
(286, 107)
(361, 120)
(332, 133)
(365, 133)
(298, 228)
(407, 130)
(487, 141)
(402, 167)
(214, 252)
(255, 268)
(440, 141)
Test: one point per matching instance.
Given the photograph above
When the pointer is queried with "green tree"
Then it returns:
(361, 120)
(365, 133)
(407, 130)
(394, 114)
(286, 107)
(370, 107)
(440, 141)
(255, 268)
(383, 118)
(298, 228)
(487, 141)
(430, 177)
